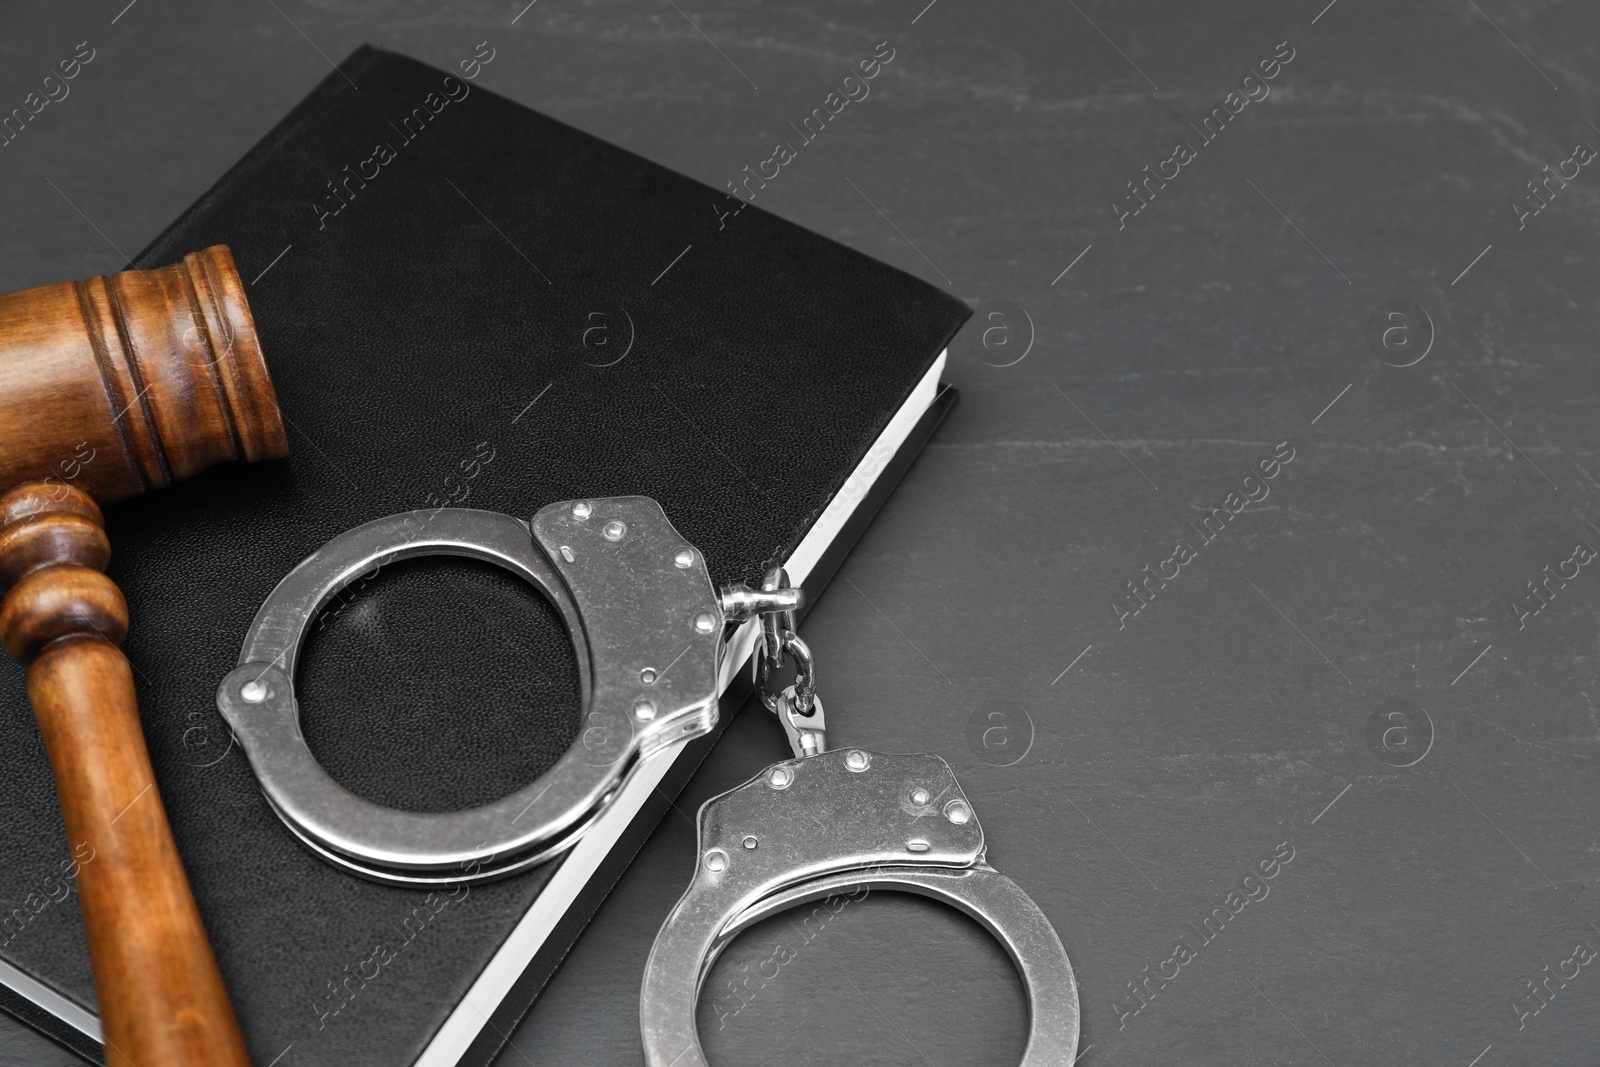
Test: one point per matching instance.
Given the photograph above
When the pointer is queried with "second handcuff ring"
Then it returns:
(827, 823)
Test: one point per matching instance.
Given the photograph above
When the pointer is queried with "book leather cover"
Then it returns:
(462, 303)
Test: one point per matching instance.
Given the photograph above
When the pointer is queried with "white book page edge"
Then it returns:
(507, 964)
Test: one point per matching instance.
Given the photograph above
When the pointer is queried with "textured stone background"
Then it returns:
(1439, 858)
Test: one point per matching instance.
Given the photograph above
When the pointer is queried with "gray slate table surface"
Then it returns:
(1351, 671)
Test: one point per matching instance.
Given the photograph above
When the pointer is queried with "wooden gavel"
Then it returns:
(110, 387)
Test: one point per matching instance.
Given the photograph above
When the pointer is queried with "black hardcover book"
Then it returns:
(462, 303)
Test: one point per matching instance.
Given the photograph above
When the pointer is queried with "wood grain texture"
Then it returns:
(161, 996)
(131, 382)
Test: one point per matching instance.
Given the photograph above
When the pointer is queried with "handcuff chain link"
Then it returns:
(778, 641)
(796, 706)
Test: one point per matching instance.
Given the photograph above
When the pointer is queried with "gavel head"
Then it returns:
(130, 382)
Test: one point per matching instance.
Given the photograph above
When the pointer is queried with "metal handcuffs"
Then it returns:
(648, 630)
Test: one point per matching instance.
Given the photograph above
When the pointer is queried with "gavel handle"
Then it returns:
(161, 997)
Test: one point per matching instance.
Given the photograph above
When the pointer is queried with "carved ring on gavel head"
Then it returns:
(109, 387)
(131, 382)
